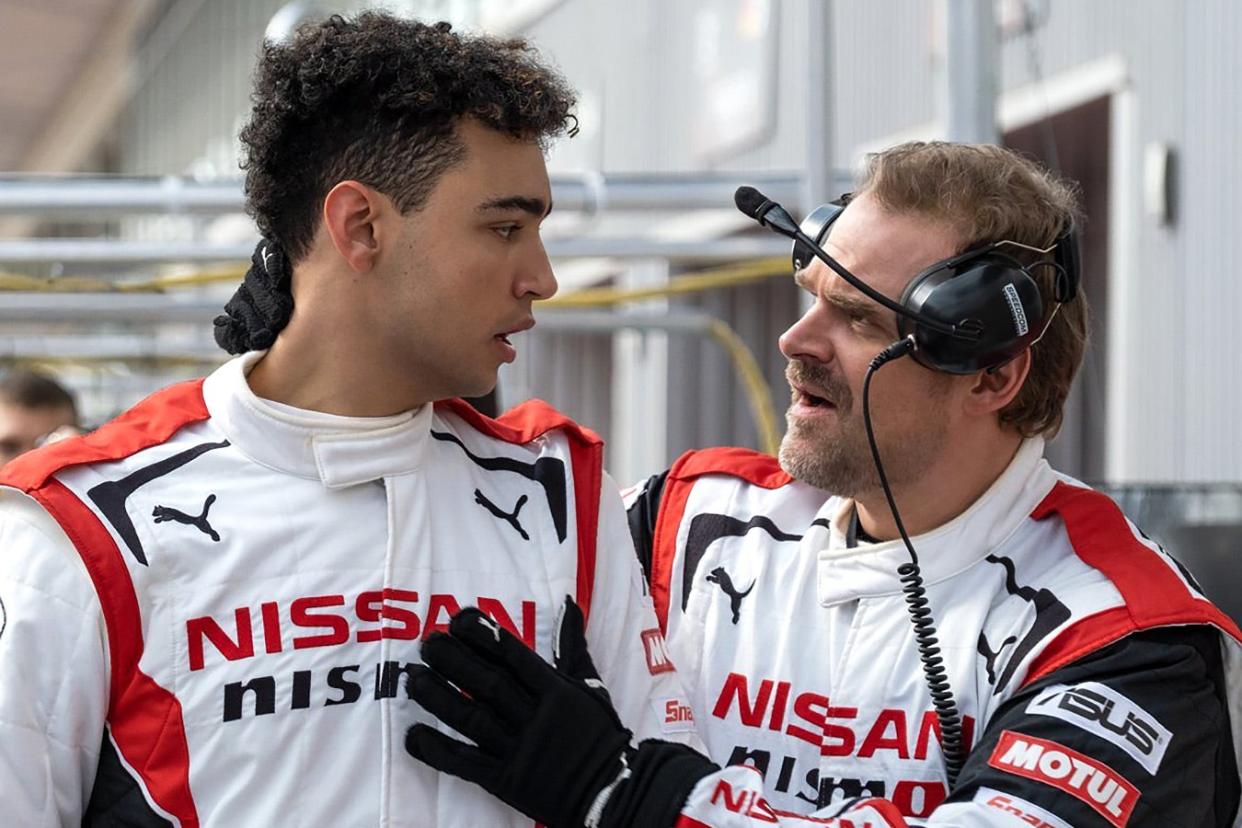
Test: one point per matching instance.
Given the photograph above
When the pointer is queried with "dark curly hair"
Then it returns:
(377, 99)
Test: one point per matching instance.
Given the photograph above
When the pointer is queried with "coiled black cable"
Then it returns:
(916, 594)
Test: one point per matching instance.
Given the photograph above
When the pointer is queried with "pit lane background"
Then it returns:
(681, 100)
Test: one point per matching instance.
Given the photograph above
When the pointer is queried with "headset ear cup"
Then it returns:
(1064, 290)
(991, 293)
(816, 226)
(1067, 258)
(934, 350)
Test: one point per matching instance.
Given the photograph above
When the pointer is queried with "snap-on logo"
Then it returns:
(658, 660)
(1107, 792)
(1015, 308)
(674, 715)
(1101, 710)
(1027, 812)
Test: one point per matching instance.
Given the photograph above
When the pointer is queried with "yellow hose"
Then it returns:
(758, 397)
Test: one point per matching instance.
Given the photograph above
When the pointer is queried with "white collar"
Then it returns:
(870, 570)
(339, 451)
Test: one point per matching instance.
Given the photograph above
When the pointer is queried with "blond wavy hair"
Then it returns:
(986, 194)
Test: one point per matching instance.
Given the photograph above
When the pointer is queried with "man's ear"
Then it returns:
(352, 214)
(996, 388)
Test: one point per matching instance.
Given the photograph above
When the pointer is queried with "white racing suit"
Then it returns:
(1097, 686)
(210, 605)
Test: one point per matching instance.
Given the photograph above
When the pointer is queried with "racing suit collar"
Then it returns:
(870, 570)
(338, 451)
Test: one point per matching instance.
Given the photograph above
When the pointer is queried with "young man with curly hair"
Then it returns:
(212, 606)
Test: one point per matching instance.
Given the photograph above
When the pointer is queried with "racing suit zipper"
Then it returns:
(386, 705)
(854, 609)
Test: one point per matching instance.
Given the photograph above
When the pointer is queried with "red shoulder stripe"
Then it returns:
(522, 423)
(758, 469)
(1154, 596)
(147, 424)
(527, 422)
(145, 718)
(673, 499)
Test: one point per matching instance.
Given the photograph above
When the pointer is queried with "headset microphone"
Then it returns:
(769, 214)
(765, 211)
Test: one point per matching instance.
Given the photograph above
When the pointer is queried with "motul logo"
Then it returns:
(373, 615)
(658, 660)
(1107, 792)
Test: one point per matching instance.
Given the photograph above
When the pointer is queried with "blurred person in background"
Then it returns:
(213, 603)
(34, 409)
(1079, 676)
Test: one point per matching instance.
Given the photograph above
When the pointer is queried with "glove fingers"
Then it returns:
(467, 716)
(570, 653)
(496, 645)
(448, 755)
(485, 681)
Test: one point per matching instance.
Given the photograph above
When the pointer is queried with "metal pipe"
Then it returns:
(970, 70)
(106, 307)
(565, 321)
(818, 187)
(102, 197)
(667, 191)
(146, 309)
(821, 178)
(118, 251)
(116, 346)
(121, 252)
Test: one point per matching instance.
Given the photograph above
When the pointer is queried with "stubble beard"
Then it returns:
(835, 456)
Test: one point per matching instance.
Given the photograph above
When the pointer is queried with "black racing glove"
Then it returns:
(262, 305)
(547, 740)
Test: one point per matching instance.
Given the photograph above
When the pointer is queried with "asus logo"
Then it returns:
(1100, 710)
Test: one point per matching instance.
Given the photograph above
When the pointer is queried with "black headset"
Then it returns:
(970, 312)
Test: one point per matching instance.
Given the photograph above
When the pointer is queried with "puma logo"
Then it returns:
(1050, 613)
(166, 513)
(508, 517)
(719, 576)
(990, 655)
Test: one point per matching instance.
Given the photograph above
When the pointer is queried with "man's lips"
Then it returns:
(525, 325)
(811, 397)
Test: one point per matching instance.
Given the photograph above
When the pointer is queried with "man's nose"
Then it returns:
(537, 279)
(807, 339)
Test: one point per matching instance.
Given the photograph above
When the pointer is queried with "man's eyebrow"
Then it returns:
(859, 306)
(855, 305)
(527, 204)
